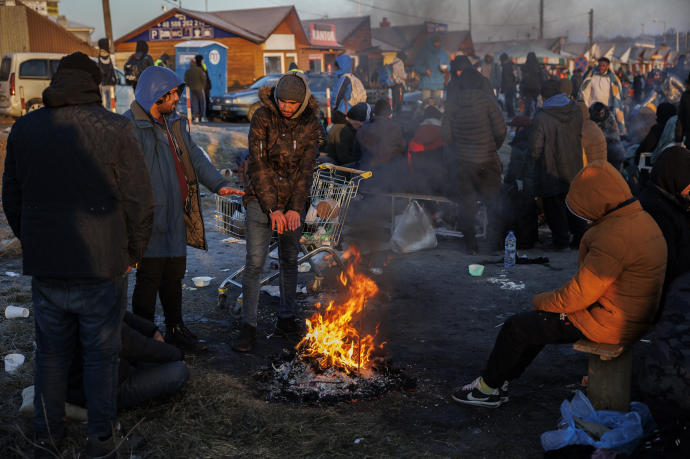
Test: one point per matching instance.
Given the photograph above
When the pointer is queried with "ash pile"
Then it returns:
(294, 379)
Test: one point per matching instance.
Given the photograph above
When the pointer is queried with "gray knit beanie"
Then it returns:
(291, 87)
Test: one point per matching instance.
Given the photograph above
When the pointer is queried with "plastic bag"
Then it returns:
(619, 429)
(413, 231)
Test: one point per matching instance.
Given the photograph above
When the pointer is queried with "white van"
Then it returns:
(32, 72)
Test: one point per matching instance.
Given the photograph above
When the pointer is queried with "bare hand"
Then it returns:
(278, 221)
(226, 190)
(293, 220)
(157, 336)
(128, 270)
(428, 72)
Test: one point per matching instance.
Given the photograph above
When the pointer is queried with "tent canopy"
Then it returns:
(544, 56)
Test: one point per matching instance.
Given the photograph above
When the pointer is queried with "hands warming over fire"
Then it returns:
(226, 190)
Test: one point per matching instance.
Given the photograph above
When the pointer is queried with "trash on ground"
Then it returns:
(72, 412)
(376, 271)
(201, 281)
(14, 312)
(476, 270)
(13, 362)
(506, 284)
(233, 240)
(358, 440)
(304, 268)
(273, 290)
(581, 424)
(12, 274)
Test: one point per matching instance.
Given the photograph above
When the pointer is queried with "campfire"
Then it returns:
(335, 361)
(332, 339)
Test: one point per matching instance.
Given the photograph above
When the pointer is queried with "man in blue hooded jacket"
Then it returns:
(177, 166)
(348, 90)
(430, 62)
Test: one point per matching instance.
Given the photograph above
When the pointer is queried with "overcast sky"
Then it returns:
(491, 19)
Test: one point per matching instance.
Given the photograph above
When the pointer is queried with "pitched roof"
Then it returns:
(253, 24)
(344, 27)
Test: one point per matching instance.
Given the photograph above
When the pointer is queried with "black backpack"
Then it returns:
(133, 69)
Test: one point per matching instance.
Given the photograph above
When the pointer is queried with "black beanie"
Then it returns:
(382, 108)
(291, 87)
(80, 61)
(360, 112)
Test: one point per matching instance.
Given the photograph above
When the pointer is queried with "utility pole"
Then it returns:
(469, 14)
(359, 8)
(591, 31)
(541, 18)
(108, 25)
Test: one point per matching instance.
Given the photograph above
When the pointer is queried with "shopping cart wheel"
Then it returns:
(222, 300)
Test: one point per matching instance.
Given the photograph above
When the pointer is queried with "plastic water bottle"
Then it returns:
(510, 251)
(237, 309)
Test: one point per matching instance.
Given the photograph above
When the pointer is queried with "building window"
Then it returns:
(273, 63)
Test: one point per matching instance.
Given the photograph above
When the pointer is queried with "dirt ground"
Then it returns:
(439, 324)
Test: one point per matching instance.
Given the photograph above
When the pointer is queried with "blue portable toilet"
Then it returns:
(215, 57)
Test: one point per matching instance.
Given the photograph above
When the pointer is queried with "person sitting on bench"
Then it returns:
(612, 298)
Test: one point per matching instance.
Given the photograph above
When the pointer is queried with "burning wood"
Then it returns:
(332, 339)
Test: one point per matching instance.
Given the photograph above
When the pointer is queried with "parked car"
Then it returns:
(242, 103)
(32, 72)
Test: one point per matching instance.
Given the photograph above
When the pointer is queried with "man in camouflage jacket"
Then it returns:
(283, 140)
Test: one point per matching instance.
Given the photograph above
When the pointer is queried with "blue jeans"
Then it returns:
(67, 310)
(258, 234)
(149, 381)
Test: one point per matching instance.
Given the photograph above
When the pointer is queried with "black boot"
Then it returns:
(287, 327)
(180, 336)
(245, 342)
(119, 444)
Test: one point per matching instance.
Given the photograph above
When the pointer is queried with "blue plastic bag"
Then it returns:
(624, 427)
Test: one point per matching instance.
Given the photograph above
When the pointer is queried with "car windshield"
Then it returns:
(319, 84)
(267, 80)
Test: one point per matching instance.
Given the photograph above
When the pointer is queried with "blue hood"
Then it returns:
(153, 83)
(344, 63)
(559, 100)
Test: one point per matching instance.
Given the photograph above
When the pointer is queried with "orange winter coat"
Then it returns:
(615, 293)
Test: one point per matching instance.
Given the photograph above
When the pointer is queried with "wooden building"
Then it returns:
(412, 39)
(24, 30)
(260, 41)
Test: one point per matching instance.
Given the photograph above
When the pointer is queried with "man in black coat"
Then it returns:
(473, 129)
(508, 84)
(77, 194)
(555, 147)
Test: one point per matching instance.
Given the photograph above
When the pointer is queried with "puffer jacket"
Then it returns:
(76, 189)
(614, 295)
(555, 147)
(174, 227)
(282, 153)
(473, 124)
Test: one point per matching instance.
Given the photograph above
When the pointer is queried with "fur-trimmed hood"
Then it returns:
(309, 104)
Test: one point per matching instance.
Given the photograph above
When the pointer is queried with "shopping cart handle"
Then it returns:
(363, 174)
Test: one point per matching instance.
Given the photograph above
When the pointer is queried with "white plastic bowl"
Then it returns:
(201, 281)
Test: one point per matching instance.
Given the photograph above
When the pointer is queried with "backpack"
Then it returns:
(133, 69)
(386, 76)
(359, 94)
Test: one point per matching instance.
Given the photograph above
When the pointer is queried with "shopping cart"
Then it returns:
(331, 193)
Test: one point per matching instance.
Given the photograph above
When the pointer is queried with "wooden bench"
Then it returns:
(609, 374)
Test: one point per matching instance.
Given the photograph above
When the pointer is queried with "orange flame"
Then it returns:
(331, 338)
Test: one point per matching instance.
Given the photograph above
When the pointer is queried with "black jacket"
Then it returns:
(76, 189)
(683, 123)
(555, 147)
(507, 76)
(473, 124)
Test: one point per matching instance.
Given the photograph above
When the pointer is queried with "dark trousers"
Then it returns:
(509, 94)
(472, 182)
(521, 339)
(397, 92)
(68, 312)
(160, 277)
(561, 221)
(529, 98)
(198, 103)
(149, 381)
(258, 235)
